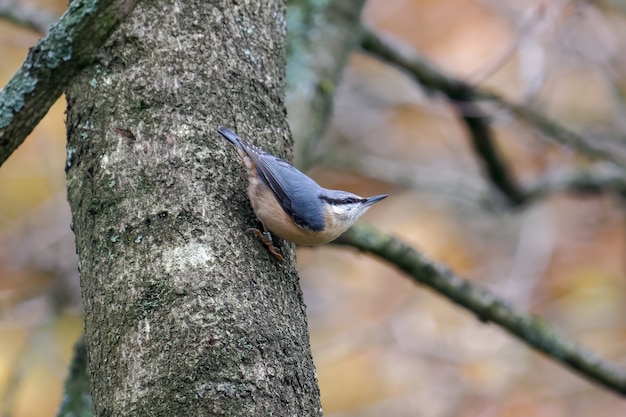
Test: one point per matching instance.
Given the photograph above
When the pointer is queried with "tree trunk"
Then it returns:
(185, 313)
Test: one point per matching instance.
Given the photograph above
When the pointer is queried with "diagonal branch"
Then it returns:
(461, 96)
(594, 147)
(436, 80)
(72, 42)
(530, 329)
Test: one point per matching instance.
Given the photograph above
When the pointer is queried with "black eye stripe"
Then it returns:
(340, 201)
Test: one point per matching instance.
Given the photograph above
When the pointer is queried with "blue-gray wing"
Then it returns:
(297, 194)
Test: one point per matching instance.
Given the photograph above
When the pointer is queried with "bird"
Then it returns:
(290, 204)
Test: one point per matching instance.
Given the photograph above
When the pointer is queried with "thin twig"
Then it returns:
(461, 96)
(436, 80)
(530, 329)
(593, 180)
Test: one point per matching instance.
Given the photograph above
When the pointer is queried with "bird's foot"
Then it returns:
(266, 238)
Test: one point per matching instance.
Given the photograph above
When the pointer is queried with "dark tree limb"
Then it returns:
(530, 329)
(72, 42)
(461, 96)
(481, 137)
(607, 150)
(434, 79)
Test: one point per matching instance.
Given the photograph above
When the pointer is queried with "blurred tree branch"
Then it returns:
(465, 98)
(484, 146)
(461, 96)
(320, 37)
(26, 15)
(77, 399)
(598, 178)
(486, 306)
(451, 184)
(72, 42)
(595, 179)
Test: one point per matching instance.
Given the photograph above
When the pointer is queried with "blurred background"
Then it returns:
(381, 344)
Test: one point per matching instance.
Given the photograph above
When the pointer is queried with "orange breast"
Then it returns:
(274, 218)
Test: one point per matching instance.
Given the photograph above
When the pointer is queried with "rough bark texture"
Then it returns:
(69, 46)
(185, 313)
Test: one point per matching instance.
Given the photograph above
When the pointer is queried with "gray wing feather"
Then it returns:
(297, 194)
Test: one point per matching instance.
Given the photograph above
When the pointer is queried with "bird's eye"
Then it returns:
(351, 200)
(347, 201)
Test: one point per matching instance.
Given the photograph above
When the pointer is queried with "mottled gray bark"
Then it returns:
(185, 313)
(72, 43)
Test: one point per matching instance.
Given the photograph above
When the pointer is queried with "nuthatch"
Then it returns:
(290, 204)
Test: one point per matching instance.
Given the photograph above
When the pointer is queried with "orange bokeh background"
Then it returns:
(382, 345)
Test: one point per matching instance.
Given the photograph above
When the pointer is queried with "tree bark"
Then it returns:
(69, 46)
(185, 313)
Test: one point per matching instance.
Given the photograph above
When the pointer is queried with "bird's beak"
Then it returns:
(375, 199)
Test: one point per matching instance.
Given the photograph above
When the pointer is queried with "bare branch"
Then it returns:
(596, 179)
(436, 80)
(461, 96)
(530, 329)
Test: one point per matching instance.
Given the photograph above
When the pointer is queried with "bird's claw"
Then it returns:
(266, 238)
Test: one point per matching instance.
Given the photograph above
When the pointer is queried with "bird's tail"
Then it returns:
(243, 148)
(230, 136)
